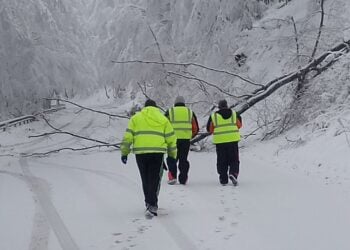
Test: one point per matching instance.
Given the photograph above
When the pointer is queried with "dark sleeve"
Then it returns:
(209, 124)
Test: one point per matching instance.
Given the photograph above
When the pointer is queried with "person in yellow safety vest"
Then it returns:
(185, 124)
(149, 135)
(224, 125)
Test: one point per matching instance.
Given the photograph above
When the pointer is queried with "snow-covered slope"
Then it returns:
(42, 48)
(293, 194)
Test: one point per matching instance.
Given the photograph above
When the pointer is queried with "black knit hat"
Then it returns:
(223, 104)
(150, 102)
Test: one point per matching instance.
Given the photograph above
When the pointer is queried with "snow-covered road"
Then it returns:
(92, 201)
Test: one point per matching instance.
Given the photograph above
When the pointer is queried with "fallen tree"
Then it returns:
(310, 71)
(318, 65)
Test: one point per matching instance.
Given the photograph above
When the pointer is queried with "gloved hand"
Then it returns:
(124, 159)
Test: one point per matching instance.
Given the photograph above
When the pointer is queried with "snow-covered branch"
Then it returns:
(90, 109)
(245, 79)
(67, 148)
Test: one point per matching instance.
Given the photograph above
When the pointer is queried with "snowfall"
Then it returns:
(292, 194)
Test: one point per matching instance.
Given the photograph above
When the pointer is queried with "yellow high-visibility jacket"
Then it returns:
(149, 131)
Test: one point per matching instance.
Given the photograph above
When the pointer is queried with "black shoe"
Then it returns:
(223, 180)
(183, 179)
(153, 210)
(233, 180)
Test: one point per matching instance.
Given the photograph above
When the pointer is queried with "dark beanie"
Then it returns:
(150, 102)
(223, 104)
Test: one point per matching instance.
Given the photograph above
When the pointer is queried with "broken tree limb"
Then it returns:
(71, 134)
(93, 110)
(261, 93)
(59, 131)
(62, 149)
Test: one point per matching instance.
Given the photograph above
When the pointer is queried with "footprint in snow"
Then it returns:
(234, 224)
(227, 237)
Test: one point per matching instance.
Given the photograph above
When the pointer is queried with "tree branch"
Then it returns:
(202, 81)
(190, 64)
(61, 149)
(319, 31)
(157, 43)
(296, 40)
(275, 84)
(58, 131)
(93, 110)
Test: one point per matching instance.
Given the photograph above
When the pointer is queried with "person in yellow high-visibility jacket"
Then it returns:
(149, 135)
(185, 124)
(224, 125)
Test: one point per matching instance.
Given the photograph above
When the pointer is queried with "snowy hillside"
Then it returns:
(42, 49)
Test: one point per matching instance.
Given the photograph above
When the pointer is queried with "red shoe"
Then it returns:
(171, 179)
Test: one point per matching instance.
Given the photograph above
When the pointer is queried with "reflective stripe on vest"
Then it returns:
(181, 120)
(147, 141)
(225, 130)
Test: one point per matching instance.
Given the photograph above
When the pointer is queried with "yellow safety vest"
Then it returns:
(149, 131)
(181, 119)
(225, 130)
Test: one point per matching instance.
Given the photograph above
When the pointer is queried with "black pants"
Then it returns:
(183, 147)
(227, 160)
(151, 171)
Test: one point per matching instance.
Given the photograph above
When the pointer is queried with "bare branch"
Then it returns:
(7, 155)
(143, 90)
(296, 39)
(202, 81)
(319, 31)
(58, 131)
(93, 110)
(72, 149)
(157, 43)
(191, 64)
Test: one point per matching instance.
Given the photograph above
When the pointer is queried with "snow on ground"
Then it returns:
(293, 194)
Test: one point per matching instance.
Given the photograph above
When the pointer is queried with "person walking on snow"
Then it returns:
(224, 125)
(185, 125)
(151, 135)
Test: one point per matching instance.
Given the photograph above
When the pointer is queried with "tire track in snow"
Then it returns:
(40, 189)
(174, 231)
(41, 229)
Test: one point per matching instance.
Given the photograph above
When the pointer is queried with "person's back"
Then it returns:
(150, 135)
(148, 125)
(224, 124)
(185, 124)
